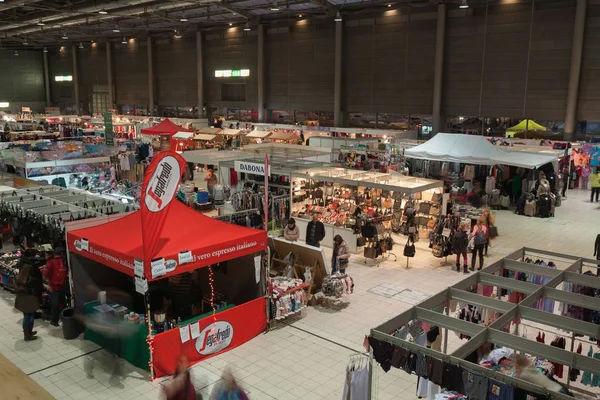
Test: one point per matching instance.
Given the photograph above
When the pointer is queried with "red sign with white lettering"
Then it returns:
(223, 332)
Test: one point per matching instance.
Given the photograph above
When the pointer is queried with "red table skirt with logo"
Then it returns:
(232, 328)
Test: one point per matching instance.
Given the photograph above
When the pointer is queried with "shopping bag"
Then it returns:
(493, 231)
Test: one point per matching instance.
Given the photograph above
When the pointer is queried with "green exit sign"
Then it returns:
(232, 73)
(236, 72)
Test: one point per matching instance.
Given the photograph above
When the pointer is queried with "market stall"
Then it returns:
(166, 127)
(348, 200)
(497, 314)
(149, 251)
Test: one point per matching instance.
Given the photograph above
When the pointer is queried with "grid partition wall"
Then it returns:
(572, 272)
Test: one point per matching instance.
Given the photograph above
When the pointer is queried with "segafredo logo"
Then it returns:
(163, 184)
(251, 168)
(78, 245)
(214, 338)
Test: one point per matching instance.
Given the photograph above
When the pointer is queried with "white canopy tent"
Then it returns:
(471, 149)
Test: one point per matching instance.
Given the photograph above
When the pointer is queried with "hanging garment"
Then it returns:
(586, 379)
(559, 342)
(475, 386)
(427, 389)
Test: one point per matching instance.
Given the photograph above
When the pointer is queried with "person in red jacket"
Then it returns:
(56, 272)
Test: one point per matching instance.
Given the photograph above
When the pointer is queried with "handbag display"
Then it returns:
(424, 208)
(409, 249)
(437, 251)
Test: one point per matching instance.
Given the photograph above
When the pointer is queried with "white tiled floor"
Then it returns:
(307, 358)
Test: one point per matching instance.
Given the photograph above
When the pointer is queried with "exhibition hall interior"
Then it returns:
(300, 199)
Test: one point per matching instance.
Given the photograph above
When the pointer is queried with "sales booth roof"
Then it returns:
(183, 135)
(231, 132)
(210, 131)
(118, 243)
(258, 134)
(204, 136)
(472, 149)
(351, 177)
(165, 127)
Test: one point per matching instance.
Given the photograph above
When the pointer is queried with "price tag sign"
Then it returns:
(446, 232)
(184, 333)
(158, 267)
(185, 257)
(141, 285)
(85, 244)
(195, 328)
(138, 268)
(257, 261)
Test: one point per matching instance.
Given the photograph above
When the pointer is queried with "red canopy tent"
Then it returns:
(164, 128)
(118, 243)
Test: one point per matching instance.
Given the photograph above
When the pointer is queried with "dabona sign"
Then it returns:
(251, 168)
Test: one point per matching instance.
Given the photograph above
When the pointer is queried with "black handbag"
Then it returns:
(370, 252)
(492, 231)
(361, 241)
(26, 303)
(424, 208)
(409, 249)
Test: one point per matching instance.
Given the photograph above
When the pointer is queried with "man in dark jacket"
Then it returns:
(460, 244)
(315, 231)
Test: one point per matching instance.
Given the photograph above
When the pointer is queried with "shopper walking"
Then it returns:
(479, 236)
(341, 255)
(29, 289)
(460, 244)
(595, 182)
(315, 232)
(211, 180)
(56, 273)
(564, 175)
(488, 222)
(291, 231)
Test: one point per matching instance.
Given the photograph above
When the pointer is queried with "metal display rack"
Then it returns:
(496, 332)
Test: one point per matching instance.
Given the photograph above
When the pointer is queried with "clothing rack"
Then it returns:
(237, 214)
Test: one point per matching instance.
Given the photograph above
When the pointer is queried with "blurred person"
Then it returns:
(181, 386)
(479, 236)
(341, 255)
(564, 174)
(180, 292)
(460, 245)
(227, 388)
(29, 292)
(291, 231)
(488, 220)
(529, 373)
(211, 180)
(56, 273)
(595, 183)
(315, 231)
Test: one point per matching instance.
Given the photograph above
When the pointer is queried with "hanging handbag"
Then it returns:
(437, 198)
(409, 211)
(380, 229)
(361, 241)
(435, 209)
(26, 303)
(396, 225)
(409, 249)
(370, 252)
(437, 251)
(424, 208)
(387, 203)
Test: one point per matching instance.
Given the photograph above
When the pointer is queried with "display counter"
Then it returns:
(330, 231)
(124, 339)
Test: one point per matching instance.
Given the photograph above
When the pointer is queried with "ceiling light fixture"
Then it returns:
(16, 53)
(124, 40)
(300, 16)
(25, 42)
(177, 34)
(464, 4)
(102, 11)
(230, 24)
(338, 17)
(64, 36)
(80, 45)
(247, 27)
(41, 23)
(45, 49)
(274, 7)
(116, 30)
(183, 18)
(389, 6)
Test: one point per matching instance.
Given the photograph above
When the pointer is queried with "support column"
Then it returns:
(261, 73)
(75, 79)
(109, 75)
(439, 68)
(150, 77)
(200, 73)
(573, 90)
(47, 80)
(337, 88)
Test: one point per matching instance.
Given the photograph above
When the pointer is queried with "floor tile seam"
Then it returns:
(63, 362)
(322, 338)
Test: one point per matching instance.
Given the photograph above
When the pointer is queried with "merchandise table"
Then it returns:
(131, 344)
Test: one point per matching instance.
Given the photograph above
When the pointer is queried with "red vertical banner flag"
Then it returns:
(267, 175)
(161, 182)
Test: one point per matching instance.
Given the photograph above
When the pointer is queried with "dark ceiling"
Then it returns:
(38, 23)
